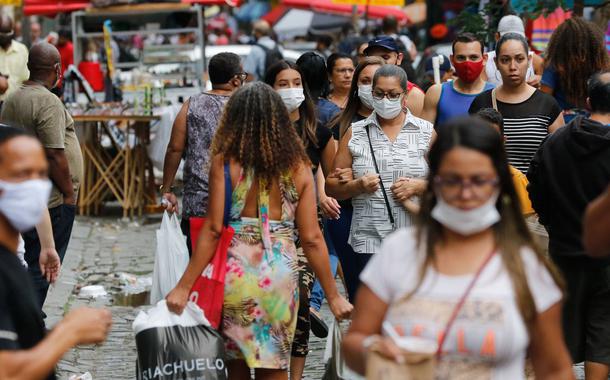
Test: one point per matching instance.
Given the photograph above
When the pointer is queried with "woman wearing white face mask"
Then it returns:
(359, 107)
(386, 154)
(286, 78)
(469, 280)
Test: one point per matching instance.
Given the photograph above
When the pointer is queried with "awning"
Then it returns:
(374, 11)
(300, 22)
(52, 7)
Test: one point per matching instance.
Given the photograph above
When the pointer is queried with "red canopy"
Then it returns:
(53, 7)
(374, 11)
(275, 14)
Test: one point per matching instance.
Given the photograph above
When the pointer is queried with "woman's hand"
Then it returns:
(330, 207)
(404, 188)
(411, 207)
(369, 183)
(177, 299)
(388, 349)
(340, 307)
(343, 175)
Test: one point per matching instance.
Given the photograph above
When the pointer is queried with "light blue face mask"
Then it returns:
(365, 93)
(386, 108)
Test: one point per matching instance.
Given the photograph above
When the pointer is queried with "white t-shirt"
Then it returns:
(493, 74)
(488, 339)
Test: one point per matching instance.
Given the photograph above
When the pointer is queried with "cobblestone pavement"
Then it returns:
(100, 249)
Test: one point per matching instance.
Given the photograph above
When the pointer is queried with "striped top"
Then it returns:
(405, 157)
(526, 124)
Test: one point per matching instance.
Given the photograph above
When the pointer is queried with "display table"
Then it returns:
(122, 172)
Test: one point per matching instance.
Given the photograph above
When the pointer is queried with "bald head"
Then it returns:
(6, 24)
(44, 63)
(43, 56)
(261, 28)
(6, 32)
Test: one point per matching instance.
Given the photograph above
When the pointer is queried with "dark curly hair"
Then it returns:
(255, 131)
(576, 50)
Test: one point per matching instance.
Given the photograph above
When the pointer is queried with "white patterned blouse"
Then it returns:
(405, 157)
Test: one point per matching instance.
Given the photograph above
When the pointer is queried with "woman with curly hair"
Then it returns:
(288, 81)
(273, 194)
(576, 51)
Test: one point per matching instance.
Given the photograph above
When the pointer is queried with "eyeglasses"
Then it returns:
(242, 76)
(452, 187)
(379, 95)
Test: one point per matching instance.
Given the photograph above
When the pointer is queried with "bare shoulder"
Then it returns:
(302, 176)
(434, 91)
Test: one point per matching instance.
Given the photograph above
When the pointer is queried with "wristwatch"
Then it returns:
(163, 189)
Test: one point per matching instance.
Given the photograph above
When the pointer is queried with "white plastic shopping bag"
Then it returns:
(336, 369)
(173, 347)
(171, 258)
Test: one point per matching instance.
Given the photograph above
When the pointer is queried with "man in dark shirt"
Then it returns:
(571, 169)
(26, 351)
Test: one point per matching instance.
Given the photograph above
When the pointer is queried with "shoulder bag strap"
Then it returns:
(461, 302)
(385, 196)
(228, 194)
(494, 101)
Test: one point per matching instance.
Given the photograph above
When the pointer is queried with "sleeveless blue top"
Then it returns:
(453, 103)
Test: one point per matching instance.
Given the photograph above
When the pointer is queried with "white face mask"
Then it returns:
(466, 222)
(386, 108)
(365, 93)
(292, 97)
(23, 203)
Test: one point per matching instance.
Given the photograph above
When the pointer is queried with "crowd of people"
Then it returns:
(422, 201)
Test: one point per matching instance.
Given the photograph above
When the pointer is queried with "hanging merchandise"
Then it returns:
(543, 27)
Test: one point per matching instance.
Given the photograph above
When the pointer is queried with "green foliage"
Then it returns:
(483, 23)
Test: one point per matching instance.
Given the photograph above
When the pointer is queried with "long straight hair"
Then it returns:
(307, 110)
(511, 232)
(345, 119)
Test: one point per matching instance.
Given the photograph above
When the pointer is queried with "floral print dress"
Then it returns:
(261, 284)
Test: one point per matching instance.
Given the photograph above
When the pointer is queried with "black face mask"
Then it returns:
(5, 41)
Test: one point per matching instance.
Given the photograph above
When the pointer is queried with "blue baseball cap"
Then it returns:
(385, 42)
(443, 67)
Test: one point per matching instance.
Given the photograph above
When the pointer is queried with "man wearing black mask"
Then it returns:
(13, 59)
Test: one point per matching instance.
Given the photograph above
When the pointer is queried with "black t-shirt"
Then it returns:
(314, 151)
(526, 124)
(21, 323)
(337, 127)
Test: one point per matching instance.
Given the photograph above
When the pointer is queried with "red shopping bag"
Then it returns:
(208, 290)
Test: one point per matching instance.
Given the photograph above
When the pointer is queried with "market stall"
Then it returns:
(122, 172)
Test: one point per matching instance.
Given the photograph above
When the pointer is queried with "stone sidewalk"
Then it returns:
(100, 249)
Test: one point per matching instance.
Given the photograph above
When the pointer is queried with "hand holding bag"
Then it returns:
(418, 365)
(208, 290)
